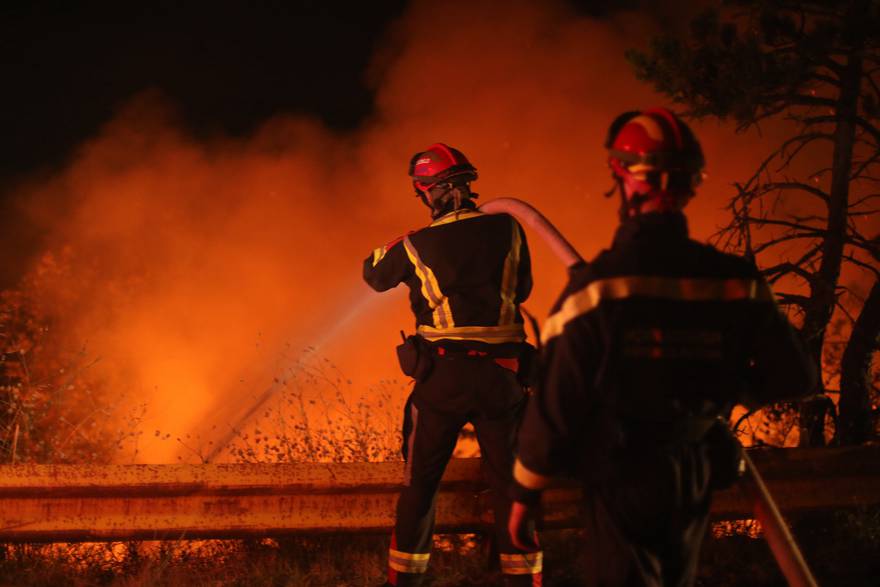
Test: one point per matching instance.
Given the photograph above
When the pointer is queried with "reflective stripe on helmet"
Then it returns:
(440, 162)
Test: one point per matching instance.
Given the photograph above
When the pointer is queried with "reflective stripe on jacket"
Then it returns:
(467, 273)
(655, 331)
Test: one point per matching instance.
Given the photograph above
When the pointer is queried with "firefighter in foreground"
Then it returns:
(467, 273)
(647, 346)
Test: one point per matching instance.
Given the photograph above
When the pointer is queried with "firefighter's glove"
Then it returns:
(521, 526)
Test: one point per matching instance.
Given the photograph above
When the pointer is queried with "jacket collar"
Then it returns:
(467, 210)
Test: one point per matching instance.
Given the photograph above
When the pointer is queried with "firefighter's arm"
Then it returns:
(387, 266)
(556, 414)
(781, 368)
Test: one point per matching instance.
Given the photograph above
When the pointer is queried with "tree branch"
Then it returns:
(845, 311)
(804, 140)
(781, 239)
(870, 246)
(818, 231)
(774, 273)
(864, 165)
(869, 75)
(869, 128)
(863, 265)
(861, 201)
(825, 79)
(797, 185)
(860, 122)
(802, 100)
(789, 299)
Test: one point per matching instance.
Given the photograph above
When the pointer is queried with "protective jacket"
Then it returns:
(467, 273)
(647, 345)
(654, 338)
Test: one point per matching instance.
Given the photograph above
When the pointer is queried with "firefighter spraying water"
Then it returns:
(467, 272)
(354, 310)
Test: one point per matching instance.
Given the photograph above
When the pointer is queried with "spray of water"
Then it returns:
(356, 307)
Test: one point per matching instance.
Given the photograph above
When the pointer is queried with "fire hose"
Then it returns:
(785, 550)
(528, 215)
(782, 544)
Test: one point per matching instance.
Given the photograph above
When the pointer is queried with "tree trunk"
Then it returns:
(855, 373)
(823, 294)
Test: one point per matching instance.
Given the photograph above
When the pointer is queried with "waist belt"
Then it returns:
(507, 362)
(490, 334)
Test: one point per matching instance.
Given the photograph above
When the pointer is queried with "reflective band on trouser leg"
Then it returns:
(408, 562)
(529, 563)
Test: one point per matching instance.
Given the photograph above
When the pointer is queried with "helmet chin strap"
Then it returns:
(440, 204)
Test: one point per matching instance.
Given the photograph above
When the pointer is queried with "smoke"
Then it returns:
(192, 264)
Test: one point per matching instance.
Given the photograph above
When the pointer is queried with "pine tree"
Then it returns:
(804, 214)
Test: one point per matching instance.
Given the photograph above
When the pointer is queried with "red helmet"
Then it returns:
(654, 155)
(440, 163)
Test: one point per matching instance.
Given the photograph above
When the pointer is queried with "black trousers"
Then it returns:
(646, 521)
(459, 390)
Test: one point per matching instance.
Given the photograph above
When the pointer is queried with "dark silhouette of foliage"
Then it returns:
(805, 215)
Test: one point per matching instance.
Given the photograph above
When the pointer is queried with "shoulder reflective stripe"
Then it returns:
(667, 288)
(508, 279)
(430, 288)
(407, 562)
(529, 563)
(528, 478)
(456, 216)
(378, 254)
(490, 334)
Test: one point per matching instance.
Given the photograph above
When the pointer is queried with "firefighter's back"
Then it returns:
(471, 272)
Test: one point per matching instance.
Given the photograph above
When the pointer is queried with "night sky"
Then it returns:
(227, 65)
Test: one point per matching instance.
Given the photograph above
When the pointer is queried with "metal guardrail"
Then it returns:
(69, 503)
